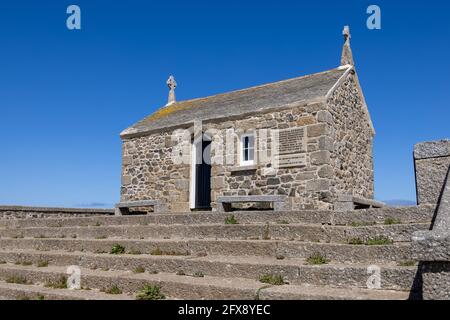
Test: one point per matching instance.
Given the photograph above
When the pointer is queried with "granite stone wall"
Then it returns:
(432, 248)
(337, 158)
(432, 160)
(17, 212)
(308, 185)
(351, 140)
(149, 172)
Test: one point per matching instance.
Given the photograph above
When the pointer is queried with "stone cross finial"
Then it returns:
(346, 33)
(347, 55)
(172, 84)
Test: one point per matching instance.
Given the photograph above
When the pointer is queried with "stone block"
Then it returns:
(302, 176)
(318, 185)
(430, 177)
(326, 171)
(326, 143)
(273, 181)
(317, 130)
(325, 116)
(218, 182)
(180, 207)
(432, 149)
(305, 121)
(320, 158)
(127, 160)
(126, 180)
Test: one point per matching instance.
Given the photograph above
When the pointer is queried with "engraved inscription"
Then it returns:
(292, 140)
(292, 160)
(291, 148)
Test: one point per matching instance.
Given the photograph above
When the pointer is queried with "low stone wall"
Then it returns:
(432, 160)
(16, 212)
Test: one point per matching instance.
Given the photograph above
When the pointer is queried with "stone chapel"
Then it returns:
(302, 143)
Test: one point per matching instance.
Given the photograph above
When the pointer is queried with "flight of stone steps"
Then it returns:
(238, 255)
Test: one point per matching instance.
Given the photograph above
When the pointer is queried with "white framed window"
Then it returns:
(247, 149)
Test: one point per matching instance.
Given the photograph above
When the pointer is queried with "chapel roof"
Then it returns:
(257, 99)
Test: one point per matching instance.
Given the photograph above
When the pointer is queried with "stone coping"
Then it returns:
(136, 204)
(56, 210)
(431, 246)
(432, 149)
(360, 200)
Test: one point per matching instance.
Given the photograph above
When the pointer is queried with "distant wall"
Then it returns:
(432, 161)
(17, 212)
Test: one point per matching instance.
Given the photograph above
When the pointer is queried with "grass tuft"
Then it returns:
(113, 290)
(42, 264)
(406, 263)
(117, 249)
(139, 269)
(316, 259)
(61, 283)
(150, 293)
(378, 241)
(391, 221)
(17, 280)
(276, 280)
(231, 220)
(356, 241)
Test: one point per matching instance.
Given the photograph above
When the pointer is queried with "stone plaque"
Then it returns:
(290, 160)
(291, 147)
(292, 140)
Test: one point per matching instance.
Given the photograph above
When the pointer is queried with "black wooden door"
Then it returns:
(203, 179)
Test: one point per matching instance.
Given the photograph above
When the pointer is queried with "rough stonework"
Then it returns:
(308, 138)
(17, 212)
(432, 248)
(432, 160)
(148, 172)
(352, 138)
(219, 260)
(337, 159)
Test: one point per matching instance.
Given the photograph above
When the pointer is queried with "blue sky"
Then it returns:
(66, 95)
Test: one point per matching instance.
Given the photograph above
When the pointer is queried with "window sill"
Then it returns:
(253, 167)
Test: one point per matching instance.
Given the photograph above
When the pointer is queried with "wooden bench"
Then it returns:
(280, 203)
(122, 208)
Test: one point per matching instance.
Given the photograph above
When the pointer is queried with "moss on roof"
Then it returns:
(256, 99)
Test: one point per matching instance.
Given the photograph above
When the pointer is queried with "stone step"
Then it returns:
(300, 232)
(294, 270)
(12, 291)
(189, 287)
(370, 216)
(198, 247)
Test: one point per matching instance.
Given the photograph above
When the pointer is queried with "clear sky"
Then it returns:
(66, 95)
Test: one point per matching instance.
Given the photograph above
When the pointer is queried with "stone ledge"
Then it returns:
(244, 168)
(136, 204)
(347, 202)
(280, 202)
(56, 210)
(432, 149)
